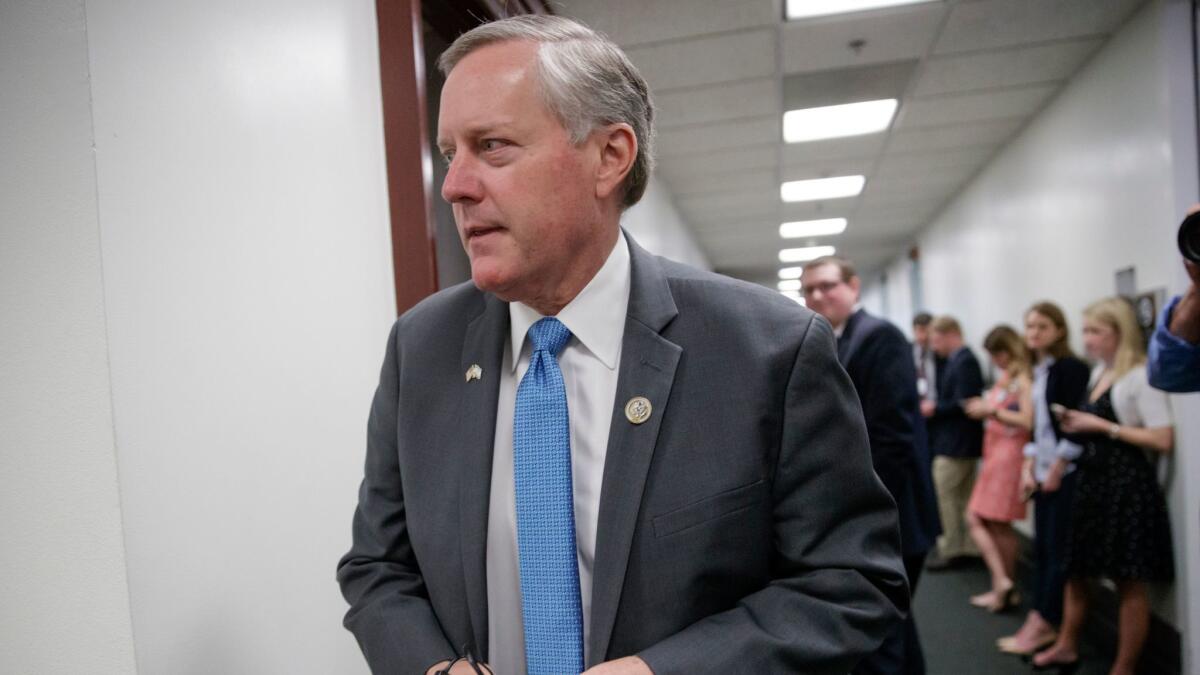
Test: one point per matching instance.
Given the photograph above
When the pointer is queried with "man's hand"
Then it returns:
(630, 665)
(460, 668)
(977, 408)
(928, 407)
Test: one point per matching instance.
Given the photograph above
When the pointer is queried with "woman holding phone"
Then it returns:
(1059, 379)
(1119, 525)
(996, 502)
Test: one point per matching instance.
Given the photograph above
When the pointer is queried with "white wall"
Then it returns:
(233, 195)
(657, 226)
(248, 280)
(1097, 182)
(62, 562)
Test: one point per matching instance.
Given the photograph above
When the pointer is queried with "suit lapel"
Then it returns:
(846, 344)
(476, 429)
(647, 369)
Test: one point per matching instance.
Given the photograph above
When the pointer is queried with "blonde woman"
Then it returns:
(996, 500)
(1119, 526)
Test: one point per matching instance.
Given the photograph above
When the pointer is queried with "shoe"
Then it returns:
(1010, 598)
(1008, 645)
(1063, 667)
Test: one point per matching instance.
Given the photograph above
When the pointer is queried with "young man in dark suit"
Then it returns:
(955, 439)
(879, 361)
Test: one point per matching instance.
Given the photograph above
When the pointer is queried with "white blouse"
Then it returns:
(1136, 403)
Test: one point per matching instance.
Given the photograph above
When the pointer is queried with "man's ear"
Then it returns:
(618, 148)
(856, 284)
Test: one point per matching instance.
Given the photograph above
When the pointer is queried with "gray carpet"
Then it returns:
(960, 639)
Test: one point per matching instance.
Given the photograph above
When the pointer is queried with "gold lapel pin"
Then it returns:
(638, 409)
(474, 372)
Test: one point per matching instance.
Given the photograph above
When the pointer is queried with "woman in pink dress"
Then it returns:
(996, 500)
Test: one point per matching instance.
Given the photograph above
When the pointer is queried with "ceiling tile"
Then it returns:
(971, 107)
(959, 159)
(683, 168)
(987, 133)
(820, 45)
(734, 181)
(1005, 23)
(847, 85)
(753, 98)
(727, 57)
(719, 136)
(987, 70)
(631, 22)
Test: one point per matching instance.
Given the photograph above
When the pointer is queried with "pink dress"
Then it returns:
(997, 493)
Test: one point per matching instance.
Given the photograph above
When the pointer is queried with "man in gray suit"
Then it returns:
(594, 458)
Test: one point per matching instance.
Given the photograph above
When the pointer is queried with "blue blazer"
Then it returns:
(879, 361)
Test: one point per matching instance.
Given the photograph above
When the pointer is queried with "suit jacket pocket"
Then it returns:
(709, 508)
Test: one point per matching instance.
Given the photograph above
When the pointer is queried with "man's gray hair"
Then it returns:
(586, 82)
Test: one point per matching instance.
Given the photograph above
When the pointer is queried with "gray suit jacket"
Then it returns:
(741, 528)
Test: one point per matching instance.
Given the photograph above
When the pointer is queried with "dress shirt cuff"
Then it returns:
(1030, 450)
(1067, 450)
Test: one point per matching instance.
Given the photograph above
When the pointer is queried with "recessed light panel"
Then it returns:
(822, 188)
(791, 272)
(838, 121)
(794, 255)
(805, 9)
(812, 228)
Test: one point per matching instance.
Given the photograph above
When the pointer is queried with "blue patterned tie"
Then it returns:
(550, 605)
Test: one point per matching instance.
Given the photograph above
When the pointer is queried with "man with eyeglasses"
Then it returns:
(879, 361)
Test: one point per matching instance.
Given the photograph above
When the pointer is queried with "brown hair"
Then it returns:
(1004, 340)
(1062, 346)
(845, 267)
(946, 324)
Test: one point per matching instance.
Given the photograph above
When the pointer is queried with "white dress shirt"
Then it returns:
(589, 364)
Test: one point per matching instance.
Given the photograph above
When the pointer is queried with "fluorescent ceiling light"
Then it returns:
(795, 296)
(793, 255)
(812, 228)
(789, 285)
(836, 121)
(804, 9)
(821, 188)
(791, 272)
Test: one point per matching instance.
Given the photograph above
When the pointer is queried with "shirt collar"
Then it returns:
(596, 317)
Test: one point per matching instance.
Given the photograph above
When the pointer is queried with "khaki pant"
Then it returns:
(954, 478)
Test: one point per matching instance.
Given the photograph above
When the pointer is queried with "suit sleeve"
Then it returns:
(390, 614)
(889, 402)
(839, 585)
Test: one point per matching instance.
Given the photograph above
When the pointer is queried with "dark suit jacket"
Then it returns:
(951, 432)
(879, 361)
(741, 529)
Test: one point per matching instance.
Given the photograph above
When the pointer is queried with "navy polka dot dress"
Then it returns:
(1119, 527)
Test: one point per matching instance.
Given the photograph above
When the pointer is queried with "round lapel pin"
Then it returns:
(638, 409)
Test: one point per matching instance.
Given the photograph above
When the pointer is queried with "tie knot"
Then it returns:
(549, 335)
